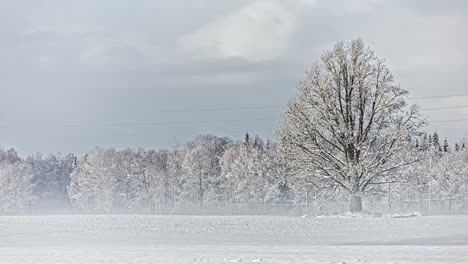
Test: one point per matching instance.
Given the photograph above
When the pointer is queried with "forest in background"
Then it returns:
(213, 172)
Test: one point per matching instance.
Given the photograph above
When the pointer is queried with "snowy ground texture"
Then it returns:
(228, 239)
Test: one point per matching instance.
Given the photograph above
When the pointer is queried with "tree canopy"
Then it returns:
(349, 121)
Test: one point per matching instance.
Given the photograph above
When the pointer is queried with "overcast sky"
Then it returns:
(76, 74)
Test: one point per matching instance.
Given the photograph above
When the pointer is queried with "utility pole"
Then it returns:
(174, 176)
(430, 190)
(201, 189)
(315, 200)
(389, 198)
(450, 204)
(430, 197)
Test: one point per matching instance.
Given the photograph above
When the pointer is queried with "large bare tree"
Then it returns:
(349, 122)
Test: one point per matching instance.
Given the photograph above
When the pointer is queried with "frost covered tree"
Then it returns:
(440, 176)
(16, 188)
(107, 180)
(201, 170)
(436, 141)
(133, 187)
(97, 184)
(153, 178)
(51, 176)
(279, 185)
(255, 173)
(348, 121)
(175, 158)
(451, 176)
(445, 146)
(242, 169)
(10, 156)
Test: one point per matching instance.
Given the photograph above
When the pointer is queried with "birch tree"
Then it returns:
(201, 167)
(348, 121)
(96, 183)
(242, 169)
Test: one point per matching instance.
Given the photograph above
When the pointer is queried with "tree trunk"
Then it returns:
(355, 205)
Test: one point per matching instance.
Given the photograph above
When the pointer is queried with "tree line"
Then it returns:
(208, 172)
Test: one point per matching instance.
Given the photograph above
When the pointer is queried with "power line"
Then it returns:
(201, 109)
(183, 123)
(215, 108)
(168, 123)
(270, 107)
(437, 96)
(447, 107)
(452, 120)
(208, 109)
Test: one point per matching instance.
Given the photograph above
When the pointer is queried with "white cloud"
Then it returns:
(359, 6)
(231, 78)
(116, 51)
(262, 30)
(429, 43)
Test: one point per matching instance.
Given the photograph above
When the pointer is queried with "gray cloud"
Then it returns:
(84, 73)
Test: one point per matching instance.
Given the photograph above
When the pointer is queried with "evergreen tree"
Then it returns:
(435, 140)
(258, 143)
(247, 139)
(446, 147)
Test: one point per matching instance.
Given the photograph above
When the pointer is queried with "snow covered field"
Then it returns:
(227, 239)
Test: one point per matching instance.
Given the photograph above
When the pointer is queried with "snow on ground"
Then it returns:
(229, 239)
